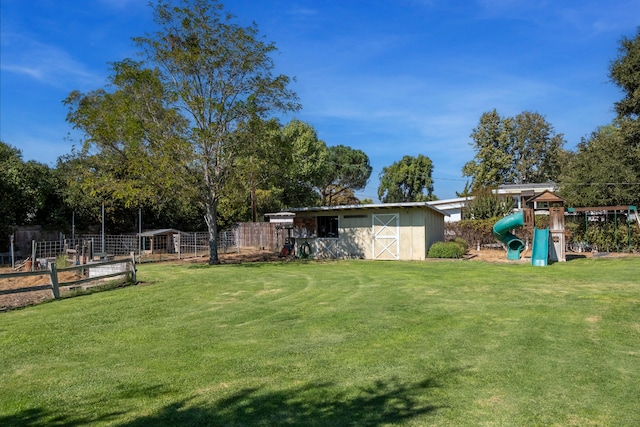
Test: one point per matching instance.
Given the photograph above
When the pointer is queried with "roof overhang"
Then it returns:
(160, 232)
(379, 206)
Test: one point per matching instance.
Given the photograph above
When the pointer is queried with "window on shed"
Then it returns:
(304, 227)
(328, 226)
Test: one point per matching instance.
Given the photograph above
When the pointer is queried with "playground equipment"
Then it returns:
(625, 216)
(543, 249)
(540, 248)
(502, 232)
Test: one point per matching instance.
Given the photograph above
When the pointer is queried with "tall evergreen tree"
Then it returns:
(348, 169)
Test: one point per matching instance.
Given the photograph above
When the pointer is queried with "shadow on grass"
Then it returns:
(314, 404)
(381, 403)
(37, 417)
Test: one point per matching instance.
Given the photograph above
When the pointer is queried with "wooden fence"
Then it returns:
(262, 235)
(92, 272)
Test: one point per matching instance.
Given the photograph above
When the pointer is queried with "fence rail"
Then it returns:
(97, 271)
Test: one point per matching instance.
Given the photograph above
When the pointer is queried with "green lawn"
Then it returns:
(348, 343)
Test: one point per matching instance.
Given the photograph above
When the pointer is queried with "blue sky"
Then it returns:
(389, 77)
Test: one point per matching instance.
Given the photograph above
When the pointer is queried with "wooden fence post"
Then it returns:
(54, 280)
(33, 255)
(133, 268)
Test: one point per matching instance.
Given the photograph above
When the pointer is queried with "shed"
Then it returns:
(161, 241)
(388, 231)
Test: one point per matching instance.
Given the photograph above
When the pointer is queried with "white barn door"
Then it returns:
(386, 236)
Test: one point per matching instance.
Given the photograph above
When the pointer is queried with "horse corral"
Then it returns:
(11, 297)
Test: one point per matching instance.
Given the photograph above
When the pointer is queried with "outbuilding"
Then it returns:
(164, 241)
(388, 231)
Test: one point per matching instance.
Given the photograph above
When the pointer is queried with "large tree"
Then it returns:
(523, 149)
(133, 155)
(625, 72)
(29, 194)
(347, 170)
(408, 180)
(221, 75)
(133, 149)
(605, 170)
(277, 167)
(492, 162)
(250, 182)
(305, 166)
(602, 172)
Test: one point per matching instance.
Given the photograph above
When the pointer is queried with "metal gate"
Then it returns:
(386, 236)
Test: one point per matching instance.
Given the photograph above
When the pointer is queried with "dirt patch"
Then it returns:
(500, 255)
(594, 319)
(10, 298)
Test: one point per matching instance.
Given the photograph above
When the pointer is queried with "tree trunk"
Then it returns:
(212, 226)
(254, 200)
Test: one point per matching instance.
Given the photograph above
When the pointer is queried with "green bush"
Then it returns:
(446, 250)
(463, 243)
(487, 205)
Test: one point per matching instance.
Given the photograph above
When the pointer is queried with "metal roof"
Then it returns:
(159, 232)
(405, 205)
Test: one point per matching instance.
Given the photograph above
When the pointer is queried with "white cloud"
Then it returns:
(124, 4)
(43, 62)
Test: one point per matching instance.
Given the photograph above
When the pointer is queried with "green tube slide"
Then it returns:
(515, 246)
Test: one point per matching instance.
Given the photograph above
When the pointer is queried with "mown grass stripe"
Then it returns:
(333, 343)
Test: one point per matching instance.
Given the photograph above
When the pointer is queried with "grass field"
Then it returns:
(348, 343)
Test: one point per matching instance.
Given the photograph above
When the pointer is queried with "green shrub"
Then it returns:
(446, 250)
(463, 243)
(486, 205)
(62, 261)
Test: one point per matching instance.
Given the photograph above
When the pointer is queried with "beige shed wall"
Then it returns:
(412, 234)
(434, 224)
(419, 229)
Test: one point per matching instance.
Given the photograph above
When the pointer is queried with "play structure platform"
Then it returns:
(548, 243)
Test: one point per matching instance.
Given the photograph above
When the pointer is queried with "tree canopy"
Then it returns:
(624, 72)
(30, 193)
(523, 149)
(605, 170)
(134, 151)
(221, 75)
(600, 172)
(407, 180)
(179, 121)
(347, 170)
